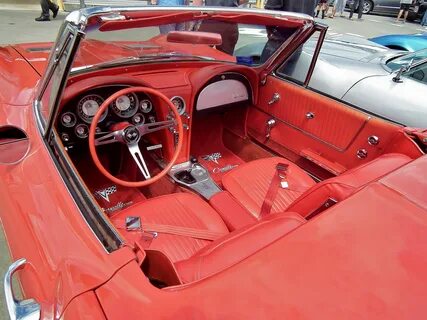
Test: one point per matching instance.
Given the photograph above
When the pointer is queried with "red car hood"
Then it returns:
(36, 54)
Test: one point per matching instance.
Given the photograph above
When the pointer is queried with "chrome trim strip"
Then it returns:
(80, 17)
(67, 185)
(28, 309)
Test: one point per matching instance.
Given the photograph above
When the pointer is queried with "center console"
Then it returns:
(194, 176)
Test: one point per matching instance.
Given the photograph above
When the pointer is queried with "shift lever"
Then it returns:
(193, 161)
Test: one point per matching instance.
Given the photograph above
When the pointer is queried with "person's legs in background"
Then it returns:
(46, 6)
(360, 11)
(352, 6)
(334, 9)
(424, 19)
(404, 9)
(342, 7)
(339, 7)
(321, 6)
(359, 5)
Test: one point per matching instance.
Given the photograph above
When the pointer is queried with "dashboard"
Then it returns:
(195, 88)
(136, 108)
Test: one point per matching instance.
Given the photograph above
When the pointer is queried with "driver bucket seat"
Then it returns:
(198, 254)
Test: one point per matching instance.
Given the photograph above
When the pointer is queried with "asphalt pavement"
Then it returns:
(18, 26)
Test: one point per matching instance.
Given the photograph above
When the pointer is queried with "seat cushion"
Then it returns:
(178, 209)
(236, 246)
(341, 187)
(250, 182)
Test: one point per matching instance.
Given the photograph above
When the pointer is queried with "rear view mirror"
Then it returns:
(14, 145)
(194, 37)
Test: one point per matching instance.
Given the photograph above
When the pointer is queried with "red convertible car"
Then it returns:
(147, 172)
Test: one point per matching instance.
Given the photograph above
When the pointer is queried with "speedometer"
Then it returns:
(88, 106)
(126, 105)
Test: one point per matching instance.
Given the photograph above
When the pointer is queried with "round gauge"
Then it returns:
(88, 106)
(82, 131)
(138, 119)
(68, 119)
(146, 106)
(126, 105)
(179, 104)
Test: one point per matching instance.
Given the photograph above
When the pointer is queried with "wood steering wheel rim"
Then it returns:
(101, 110)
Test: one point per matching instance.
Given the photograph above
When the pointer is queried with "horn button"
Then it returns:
(131, 134)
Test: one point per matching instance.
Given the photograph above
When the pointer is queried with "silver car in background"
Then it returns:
(379, 6)
(388, 83)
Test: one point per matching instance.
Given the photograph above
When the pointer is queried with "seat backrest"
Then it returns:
(342, 186)
(237, 245)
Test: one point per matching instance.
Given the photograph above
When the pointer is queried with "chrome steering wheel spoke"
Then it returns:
(155, 126)
(139, 159)
(112, 137)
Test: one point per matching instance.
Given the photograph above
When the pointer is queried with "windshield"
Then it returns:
(411, 58)
(220, 39)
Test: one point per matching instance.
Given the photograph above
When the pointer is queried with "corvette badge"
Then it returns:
(105, 193)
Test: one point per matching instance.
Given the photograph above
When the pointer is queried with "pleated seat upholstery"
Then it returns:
(179, 209)
(250, 182)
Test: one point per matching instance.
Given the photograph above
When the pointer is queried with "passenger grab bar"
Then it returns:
(19, 310)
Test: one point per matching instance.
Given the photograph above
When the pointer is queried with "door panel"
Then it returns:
(332, 123)
(331, 140)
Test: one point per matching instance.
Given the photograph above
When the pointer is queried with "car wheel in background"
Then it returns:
(367, 6)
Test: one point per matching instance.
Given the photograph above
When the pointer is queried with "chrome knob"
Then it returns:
(362, 153)
(309, 115)
(186, 115)
(373, 140)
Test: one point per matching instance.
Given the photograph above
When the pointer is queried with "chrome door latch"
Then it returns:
(274, 99)
(271, 123)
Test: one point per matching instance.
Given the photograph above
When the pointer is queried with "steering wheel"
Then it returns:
(130, 135)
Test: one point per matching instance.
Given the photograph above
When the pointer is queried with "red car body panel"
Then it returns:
(27, 208)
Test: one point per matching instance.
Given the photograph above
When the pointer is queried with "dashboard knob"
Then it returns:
(186, 115)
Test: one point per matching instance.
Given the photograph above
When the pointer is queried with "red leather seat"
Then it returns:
(195, 258)
(250, 182)
(178, 209)
(238, 245)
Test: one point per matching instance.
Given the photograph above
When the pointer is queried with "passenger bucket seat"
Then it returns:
(249, 184)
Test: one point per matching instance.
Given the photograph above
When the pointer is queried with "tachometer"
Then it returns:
(126, 105)
(88, 106)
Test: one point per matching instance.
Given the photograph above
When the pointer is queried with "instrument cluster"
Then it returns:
(76, 117)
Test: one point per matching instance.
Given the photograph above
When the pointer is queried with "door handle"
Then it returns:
(274, 99)
(19, 309)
